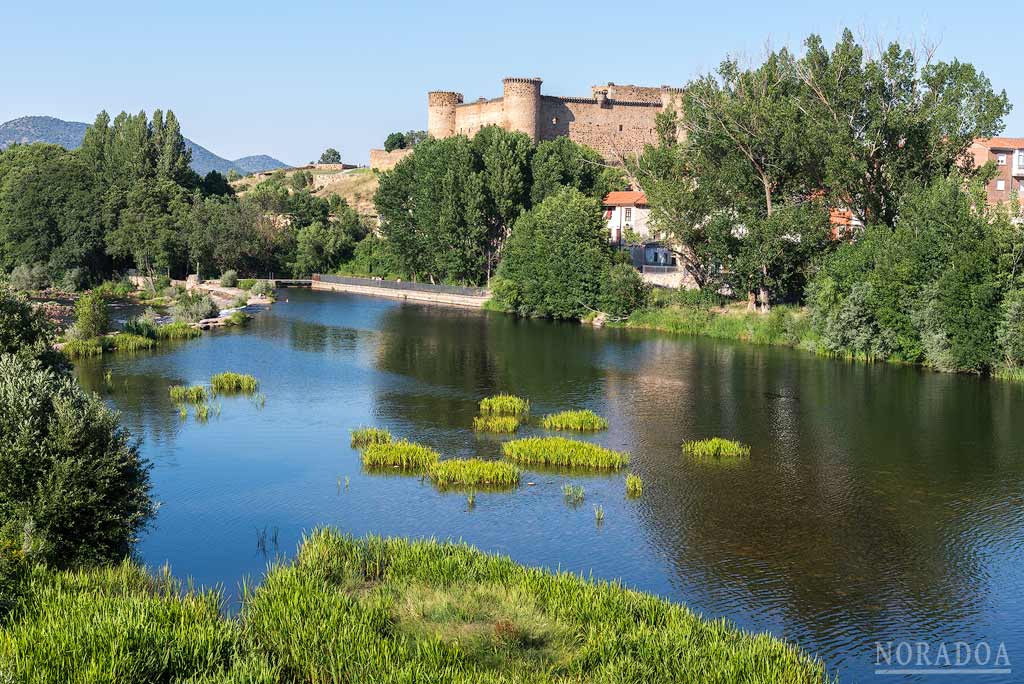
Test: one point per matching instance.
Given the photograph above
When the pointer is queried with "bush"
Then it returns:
(144, 325)
(624, 291)
(178, 330)
(75, 489)
(1010, 334)
(246, 283)
(229, 279)
(91, 318)
(126, 342)
(26, 277)
(74, 279)
(25, 331)
(79, 349)
(193, 307)
(262, 288)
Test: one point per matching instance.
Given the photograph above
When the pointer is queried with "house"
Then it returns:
(626, 214)
(1008, 156)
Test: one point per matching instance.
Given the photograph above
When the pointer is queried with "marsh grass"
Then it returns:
(365, 436)
(474, 472)
(179, 330)
(716, 450)
(562, 452)
(127, 342)
(634, 486)
(401, 454)
(194, 394)
(183, 412)
(500, 424)
(504, 405)
(573, 494)
(202, 412)
(599, 514)
(79, 349)
(580, 421)
(233, 383)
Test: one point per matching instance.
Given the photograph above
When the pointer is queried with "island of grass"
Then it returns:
(233, 383)
(379, 610)
(365, 436)
(504, 405)
(501, 424)
(716, 450)
(580, 421)
(559, 451)
(474, 472)
(401, 455)
(194, 394)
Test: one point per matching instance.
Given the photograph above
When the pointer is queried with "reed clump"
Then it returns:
(504, 405)
(365, 436)
(716, 450)
(127, 342)
(580, 421)
(401, 454)
(79, 349)
(194, 394)
(501, 424)
(178, 330)
(634, 486)
(474, 472)
(233, 383)
(559, 451)
(573, 494)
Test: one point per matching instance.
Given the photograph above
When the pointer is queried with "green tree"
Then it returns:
(91, 318)
(623, 291)
(214, 183)
(504, 161)
(330, 156)
(394, 141)
(562, 163)
(25, 332)
(151, 227)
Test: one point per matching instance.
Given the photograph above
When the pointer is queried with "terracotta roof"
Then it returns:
(1001, 143)
(626, 198)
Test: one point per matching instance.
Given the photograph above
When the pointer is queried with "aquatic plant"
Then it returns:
(365, 436)
(237, 318)
(716, 449)
(402, 454)
(581, 421)
(196, 394)
(193, 307)
(233, 383)
(178, 330)
(504, 405)
(77, 349)
(559, 451)
(474, 471)
(471, 499)
(634, 486)
(506, 424)
(127, 342)
(599, 514)
(202, 412)
(183, 412)
(573, 494)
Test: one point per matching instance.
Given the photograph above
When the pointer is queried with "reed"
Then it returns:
(178, 330)
(580, 421)
(503, 424)
(80, 349)
(634, 486)
(573, 494)
(183, 412)
(127, 342)
(365, 436)
(202, 412)
(716, 450)
(195, 394)
(599, 514)
(401, 454)
(559, 451)
(474, 472)
(504, 405)
(233, 383)
(471, 500)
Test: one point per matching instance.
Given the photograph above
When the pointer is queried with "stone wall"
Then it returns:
(471, 117)
(382, 160)
(612, 128)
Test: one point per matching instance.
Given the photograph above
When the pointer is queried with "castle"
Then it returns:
(616, 120)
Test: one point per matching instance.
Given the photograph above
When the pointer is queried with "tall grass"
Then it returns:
(401, 454)
(365, 436)
(503, 424)
(474, 472)
(573, 494)
(634, 486)
(716, 449)
(233, 383)
(580, 421)
(127, 342)
(195, 394)
(178, 330)
(504, 405)
(77, 349)
(559, 451)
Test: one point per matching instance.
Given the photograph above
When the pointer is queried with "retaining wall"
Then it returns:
(449, 295)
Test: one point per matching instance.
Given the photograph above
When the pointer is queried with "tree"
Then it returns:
(504, 158)
(151, 226)
(394, 141)
(330, 156)
(562, 163)
(214, 183)
(555, 258)
(91, 318)
(25, 332)
(623, 291)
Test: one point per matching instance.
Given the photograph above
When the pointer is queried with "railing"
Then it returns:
(651, 268)
(404, 285)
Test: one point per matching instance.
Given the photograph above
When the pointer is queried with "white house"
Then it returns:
(626, 211)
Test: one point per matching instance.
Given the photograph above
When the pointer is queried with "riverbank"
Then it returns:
(448, 295)
(379, 610)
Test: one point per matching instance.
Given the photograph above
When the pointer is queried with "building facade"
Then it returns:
(626, 213)
(616, 120)
(1008, 156)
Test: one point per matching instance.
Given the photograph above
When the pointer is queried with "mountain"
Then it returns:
(69, 134)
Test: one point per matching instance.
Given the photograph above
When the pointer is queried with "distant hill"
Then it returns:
(69, 134)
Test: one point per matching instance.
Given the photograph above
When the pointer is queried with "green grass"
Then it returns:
(246, 283)
(1013, 374)
(573, 494)
(716, 449)
(78, 349)
(580, 421)
(559, 451)
(233, 383)
(505, 424)
(599, 514)
(179, 330)
(365, 436)
(504, 405)
(783, 325)
(127, 342)
(180, 394)
(634, 486)
(400, 454)
(202, 412)
(474, 472)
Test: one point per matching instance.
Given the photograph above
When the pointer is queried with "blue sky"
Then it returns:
(291, 78)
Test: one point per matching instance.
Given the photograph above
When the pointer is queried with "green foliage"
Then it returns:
(634, 486)
(233, 383)
(504, 405)
(561, 163)
(194, 394)
(91, 318)
(555, 259)
(559, 451)
(716, 450)
(246, 283)
(178, 330)
(229, 278)
(573, 494)
(623, 291)
(1010, 334)
(192, 307)
(505, 424)
(400, 454)
(473, 472)
(83, 348)
(365, 436)
(29, 278)
(372, 257)
(25, 332)
(330, 156)
(323, 248)
(262, 288)
(394, 141)
(73, 488)
(581, 421)
(127, 342)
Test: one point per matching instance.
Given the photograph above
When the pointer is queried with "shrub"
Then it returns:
(75, 489)
(193, 307)
(716, 449)
(91, 318)
(26, 332)
(624, 291)
(229, 278)
(144, 325)
(634, 486)
(116, 289)
(504, 424)
(262, 288)
(26, 277)
(504, 405)
(582, 421)
(74, 279)
(399, 454)
(474, 472)
(365, 436)
(1010, 334)
(246, 283)
(126, 342)
(559, 451)
(233, 383)
(194, 394)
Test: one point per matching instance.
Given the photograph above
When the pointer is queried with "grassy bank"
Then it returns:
(379, 610)
(783, 325)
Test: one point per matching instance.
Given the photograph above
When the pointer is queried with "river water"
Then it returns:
(880, 503)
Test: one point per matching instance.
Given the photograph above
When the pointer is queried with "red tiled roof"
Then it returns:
(1001, 143)
(625, 198)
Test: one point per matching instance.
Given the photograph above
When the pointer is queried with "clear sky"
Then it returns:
(291, 78)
